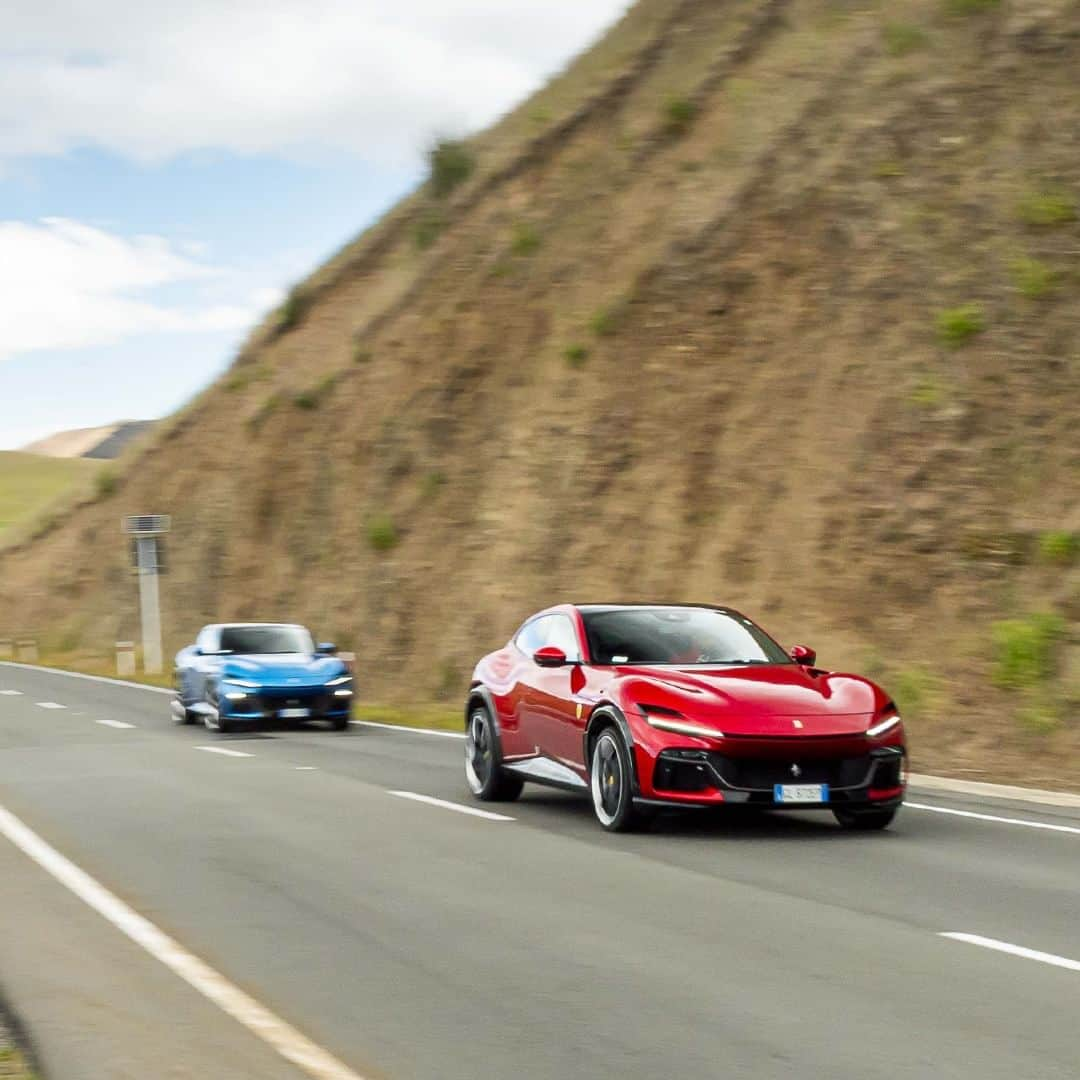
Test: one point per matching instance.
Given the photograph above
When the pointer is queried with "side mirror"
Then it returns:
(326, 648)
(216, 652)
(803, 655)
(550, 656)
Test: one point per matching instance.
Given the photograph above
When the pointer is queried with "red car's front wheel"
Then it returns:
(611, 783)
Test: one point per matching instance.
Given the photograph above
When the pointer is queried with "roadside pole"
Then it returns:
(146, 531)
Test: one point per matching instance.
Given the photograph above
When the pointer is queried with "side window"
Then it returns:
(561, 634)
(534, 635)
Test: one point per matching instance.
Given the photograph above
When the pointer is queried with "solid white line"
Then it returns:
(260, 1021)
(1016, 950)
(456, 807)
(409, 730)
(992, 791)
(89, 678)
(11, 693)
(113, 723)
(49, 705)
(993, 817)
(223, 750)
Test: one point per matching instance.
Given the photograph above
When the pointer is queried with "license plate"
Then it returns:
(294, 714)
(801, 793)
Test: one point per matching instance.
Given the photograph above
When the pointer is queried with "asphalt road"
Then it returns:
(412, 941)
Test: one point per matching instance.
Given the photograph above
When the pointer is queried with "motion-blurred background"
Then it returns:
(771, 304)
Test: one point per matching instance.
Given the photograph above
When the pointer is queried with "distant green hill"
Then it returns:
(30, 482)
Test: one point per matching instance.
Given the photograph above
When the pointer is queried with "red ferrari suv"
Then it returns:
(645, 707)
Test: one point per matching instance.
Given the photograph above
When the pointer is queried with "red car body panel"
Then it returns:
(770, 713)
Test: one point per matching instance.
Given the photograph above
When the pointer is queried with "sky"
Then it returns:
(168, 170)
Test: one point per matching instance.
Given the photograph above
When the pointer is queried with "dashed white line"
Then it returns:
(456, 807)
(1046, 825)
(290, 1043)
(49, 705)
(114, 723)
(10, 693)
(306, 768)
(223, 750)
(1015, 950)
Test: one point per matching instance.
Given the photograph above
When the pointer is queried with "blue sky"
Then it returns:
(167, 171)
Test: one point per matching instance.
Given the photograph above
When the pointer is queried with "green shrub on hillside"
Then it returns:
(903, 38)
(264, 412)
(451, 163)
(1047, 208)
(970, 7)
(914, 690)
(526, 239)
(679, 115)
(432, 484)
(929, 393)
(576, 355)
(1025, 650)
(361, 354)
(1059, 546)
(293, 308)
(382, 534)
(313, 397)
(105, 483)
(1032, 277)
(605, 322)
(957, 325)
(428, 227)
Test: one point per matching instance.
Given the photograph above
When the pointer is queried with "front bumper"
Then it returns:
(690, 777)
(270, 703)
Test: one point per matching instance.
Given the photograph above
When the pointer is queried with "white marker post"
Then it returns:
(146, 531)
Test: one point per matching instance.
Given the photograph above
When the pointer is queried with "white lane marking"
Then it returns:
(223, 750)
(114, 723)
(11, 693)
(993, 817)
(456, 807)
(49, 705)
(260, 1021)
(306, 768)
(409, 730)
(89, 678)
(1015, 950)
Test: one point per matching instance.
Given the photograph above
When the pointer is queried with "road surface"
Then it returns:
(410, 941)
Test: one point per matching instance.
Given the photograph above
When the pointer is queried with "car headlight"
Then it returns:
(341, 680)
(669, 720)
(883, 726)
(245, 683)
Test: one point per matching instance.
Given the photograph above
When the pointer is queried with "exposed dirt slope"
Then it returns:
(774, 304)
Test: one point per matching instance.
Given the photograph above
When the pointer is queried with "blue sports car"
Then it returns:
(242, 673)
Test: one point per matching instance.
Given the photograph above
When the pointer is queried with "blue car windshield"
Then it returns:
(675, 635)
(265, 640)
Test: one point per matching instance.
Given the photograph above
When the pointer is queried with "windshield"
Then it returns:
(683, 636)
(266, 639)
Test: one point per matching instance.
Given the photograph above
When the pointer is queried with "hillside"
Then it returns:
(774, 304)
(98, 442)
(30, 483)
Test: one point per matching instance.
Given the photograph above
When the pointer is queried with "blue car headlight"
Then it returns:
(341, 680)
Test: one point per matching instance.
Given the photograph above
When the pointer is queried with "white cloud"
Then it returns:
(151, 80)
(68, 285)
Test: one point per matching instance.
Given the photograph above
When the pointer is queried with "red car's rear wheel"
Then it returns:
(484, 773)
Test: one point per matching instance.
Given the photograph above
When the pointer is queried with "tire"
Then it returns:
(484, 774)
(219, 723)
(611, 783)
(864, 820)
(340, 723)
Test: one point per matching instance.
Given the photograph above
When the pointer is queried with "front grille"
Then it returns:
(315, 698)
(763, 773)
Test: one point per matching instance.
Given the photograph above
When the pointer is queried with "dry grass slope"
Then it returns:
(774, 304)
